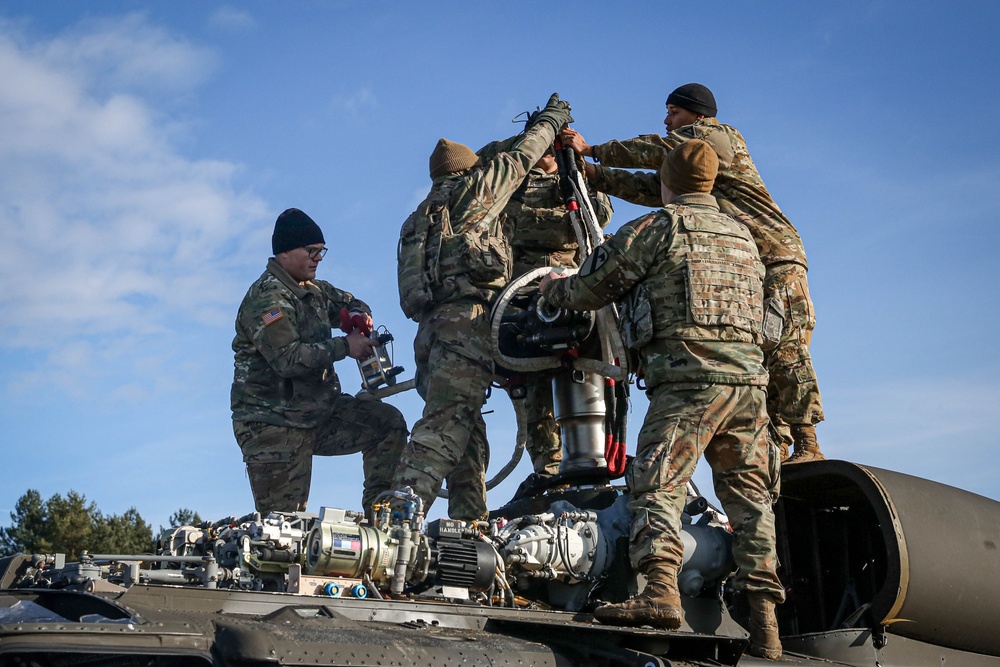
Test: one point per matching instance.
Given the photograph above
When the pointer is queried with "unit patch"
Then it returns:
(595, 261)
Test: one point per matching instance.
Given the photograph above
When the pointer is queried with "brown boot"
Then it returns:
(764, 642)
(806, 447)
(659, 604)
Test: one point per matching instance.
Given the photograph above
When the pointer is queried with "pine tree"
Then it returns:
(70, 525)
(125, 534)
(184, 517)
(27, 532)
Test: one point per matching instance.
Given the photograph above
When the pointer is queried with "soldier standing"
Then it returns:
(700, 273)
(793, 391)
(453, 260)
(542, 235)
(286, 398)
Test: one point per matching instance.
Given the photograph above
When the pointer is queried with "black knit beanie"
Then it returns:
(294, 229)
(695, 98)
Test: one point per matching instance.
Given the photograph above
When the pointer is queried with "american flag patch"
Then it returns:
(272, 316)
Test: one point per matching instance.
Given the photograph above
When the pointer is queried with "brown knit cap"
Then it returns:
(449, 157)
(691, 167)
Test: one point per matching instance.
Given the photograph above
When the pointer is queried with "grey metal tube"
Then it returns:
(942, 576)
(579, 411)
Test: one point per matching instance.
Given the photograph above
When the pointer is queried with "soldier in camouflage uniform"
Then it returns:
(452, 348)
(700, 273)
(794, 401)
(541, 235)
(286, 398)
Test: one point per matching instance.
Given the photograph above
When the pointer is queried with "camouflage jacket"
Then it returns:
(738, 187)
(476, 200)
(541, 231)
(539, 226)
(284, 353)
(703, 281)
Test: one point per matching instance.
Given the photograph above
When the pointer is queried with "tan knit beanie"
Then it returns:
(691, 167)
(449, 157)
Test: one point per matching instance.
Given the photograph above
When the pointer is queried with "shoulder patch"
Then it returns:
(595, 261)
(688, 132)
(272, 316)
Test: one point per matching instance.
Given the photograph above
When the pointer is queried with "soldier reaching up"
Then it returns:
(454, 258)
(793, 396)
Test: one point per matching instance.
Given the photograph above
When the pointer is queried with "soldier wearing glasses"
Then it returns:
(286, 398)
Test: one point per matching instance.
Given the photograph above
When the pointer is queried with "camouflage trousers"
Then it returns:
(792, 392)
(542, 438)
(279, 458)
(454, 372)
(728, 424)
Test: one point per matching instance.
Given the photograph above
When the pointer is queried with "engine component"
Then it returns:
(707, 556)
(568, 547)
(579, 409)
(342, 548)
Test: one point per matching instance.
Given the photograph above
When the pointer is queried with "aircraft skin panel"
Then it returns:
(855, 647)
(863, 546)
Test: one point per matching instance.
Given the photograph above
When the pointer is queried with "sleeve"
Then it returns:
(272, 324)
(337, 299)
(642, 187)
(492, 149)
(610, 272)
(491, 187)
(643, 152)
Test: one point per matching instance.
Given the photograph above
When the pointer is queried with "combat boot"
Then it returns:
(659, 604)
(806, 447)
(764, 641)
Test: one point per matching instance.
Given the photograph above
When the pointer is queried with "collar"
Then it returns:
(538, 172)
(696, 199)
(297, 288)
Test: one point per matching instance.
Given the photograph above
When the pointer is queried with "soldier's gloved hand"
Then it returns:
(556, 113)
(359, 345)
(362, 322)
(349, 321)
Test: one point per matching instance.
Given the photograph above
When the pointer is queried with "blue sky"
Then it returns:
(145, 150)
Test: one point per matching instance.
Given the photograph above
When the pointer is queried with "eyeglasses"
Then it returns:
(316, 253)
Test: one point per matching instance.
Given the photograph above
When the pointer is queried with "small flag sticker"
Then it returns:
(272, 316)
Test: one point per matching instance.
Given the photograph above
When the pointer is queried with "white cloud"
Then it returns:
(128, 52)
(109, 231)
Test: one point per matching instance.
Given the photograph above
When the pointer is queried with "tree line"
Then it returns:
(71, 525)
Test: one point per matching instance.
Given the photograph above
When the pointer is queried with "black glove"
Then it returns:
(556, 112)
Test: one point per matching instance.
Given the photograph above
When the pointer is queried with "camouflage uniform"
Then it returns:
(454, 361)
(705, 374)
(793, 391)
(286, 399)
(541, 235)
